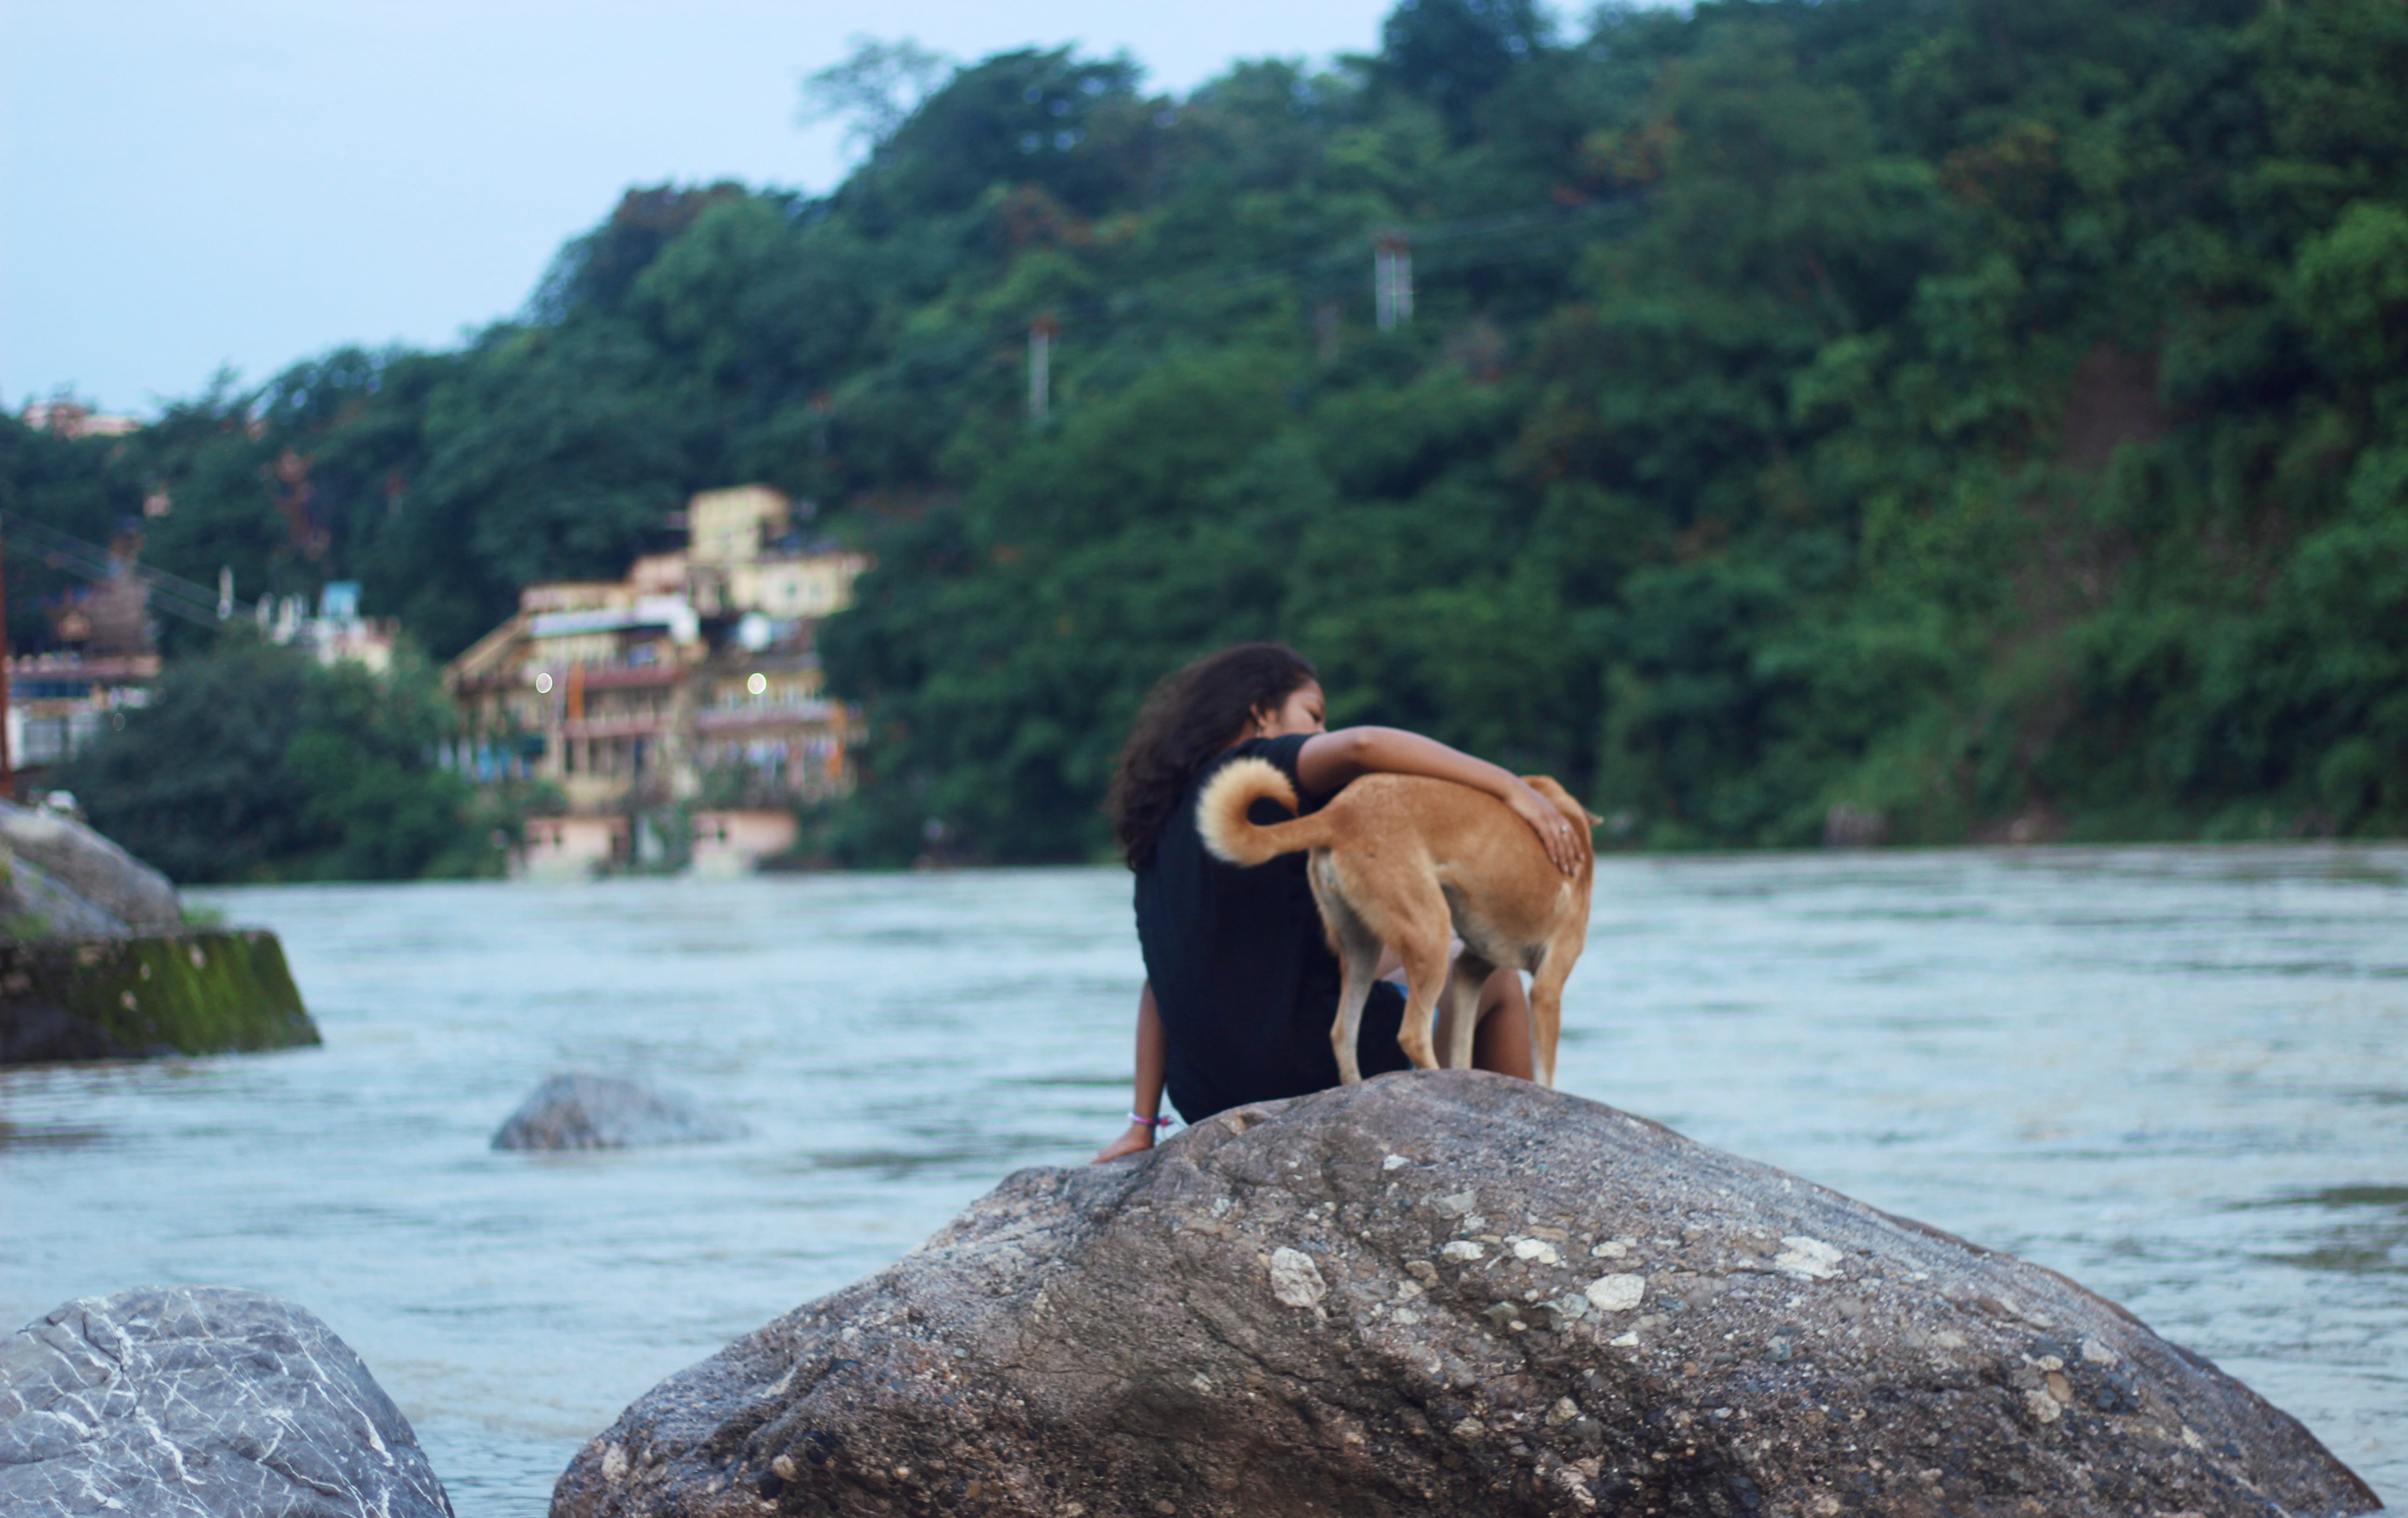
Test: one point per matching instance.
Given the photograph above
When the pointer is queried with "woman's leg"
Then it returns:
(1503, 1042)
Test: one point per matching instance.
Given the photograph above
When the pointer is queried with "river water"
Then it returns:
(2179, 1076)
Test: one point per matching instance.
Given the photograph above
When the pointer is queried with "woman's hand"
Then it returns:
(1138, 1138)
(1554, 828)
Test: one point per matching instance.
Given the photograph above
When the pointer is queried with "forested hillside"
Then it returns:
(1988, 417)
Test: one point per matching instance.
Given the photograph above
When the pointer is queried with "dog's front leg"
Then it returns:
(1425, 955)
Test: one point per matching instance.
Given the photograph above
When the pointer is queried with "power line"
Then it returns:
(171, 594)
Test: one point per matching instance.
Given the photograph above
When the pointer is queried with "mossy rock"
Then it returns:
(189, 992)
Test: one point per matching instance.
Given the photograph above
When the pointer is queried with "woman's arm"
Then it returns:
(1328, 760)
(1153, 1052)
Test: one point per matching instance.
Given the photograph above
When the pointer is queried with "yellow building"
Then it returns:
(744, 554)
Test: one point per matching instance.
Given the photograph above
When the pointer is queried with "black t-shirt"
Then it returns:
(1242, 974)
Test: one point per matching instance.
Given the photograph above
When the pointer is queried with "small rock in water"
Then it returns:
(598, 1112)
(1617, 1293)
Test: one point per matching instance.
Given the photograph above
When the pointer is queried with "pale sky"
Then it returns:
(186, 183)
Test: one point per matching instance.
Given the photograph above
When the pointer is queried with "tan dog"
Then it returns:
(1399, 861)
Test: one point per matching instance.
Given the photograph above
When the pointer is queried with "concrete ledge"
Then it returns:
(189, 993)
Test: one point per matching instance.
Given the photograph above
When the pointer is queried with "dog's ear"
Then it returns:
(1593, 818)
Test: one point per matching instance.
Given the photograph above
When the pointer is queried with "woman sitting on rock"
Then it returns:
(1241, 985)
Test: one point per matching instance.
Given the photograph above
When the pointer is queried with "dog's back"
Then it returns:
(1486, 858)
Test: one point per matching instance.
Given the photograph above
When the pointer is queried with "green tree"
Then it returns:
(251, 763)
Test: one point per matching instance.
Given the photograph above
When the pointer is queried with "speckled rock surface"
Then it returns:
(600, 1112)
(35, 904)
(1449, 1293)
(130, 894)
(200, 1402)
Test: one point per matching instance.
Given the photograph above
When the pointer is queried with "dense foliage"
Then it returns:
(252, 763)
(1981, 415)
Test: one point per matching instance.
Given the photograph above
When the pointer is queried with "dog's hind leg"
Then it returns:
(1405, 910)
(1358, 963)
(1547, 1006)
(1458, 1017)
(1358, 959)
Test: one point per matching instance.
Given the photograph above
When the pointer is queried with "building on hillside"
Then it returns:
(693, 679)
(105, 658)
(338, 634)
(101, 663)
(745, 554)
(74, 419)
(60, 703)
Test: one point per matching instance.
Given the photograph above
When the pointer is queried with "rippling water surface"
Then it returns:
(2180, 1076)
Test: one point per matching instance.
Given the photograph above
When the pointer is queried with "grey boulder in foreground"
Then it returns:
(600, 1112)
(1451, 1294)
(202, 1402)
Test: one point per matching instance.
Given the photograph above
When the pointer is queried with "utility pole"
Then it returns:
(1392, 279)
(1041, 366)
(823, 405)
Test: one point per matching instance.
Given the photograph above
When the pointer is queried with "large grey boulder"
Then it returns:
(1451, 1294)
(96, 961)
(200, 1402)
(135, 896)
(579, 1111)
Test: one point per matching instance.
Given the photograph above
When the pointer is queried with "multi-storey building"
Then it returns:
(693, 680)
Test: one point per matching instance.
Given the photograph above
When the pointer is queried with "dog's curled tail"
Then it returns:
(1229, 834)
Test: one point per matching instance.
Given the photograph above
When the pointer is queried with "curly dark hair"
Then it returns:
(1188, 718)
